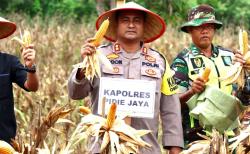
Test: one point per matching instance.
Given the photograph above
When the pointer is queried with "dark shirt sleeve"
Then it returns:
(18, 73)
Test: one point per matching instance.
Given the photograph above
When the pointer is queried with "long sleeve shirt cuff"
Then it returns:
(172, 140)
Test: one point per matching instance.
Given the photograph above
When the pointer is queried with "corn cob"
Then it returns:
(111, 115)
(91, 62)
(205, 74)
(237, 72)
(84, 110)
(245, 42)
(100, 33)
(24, 40)
(5, 148)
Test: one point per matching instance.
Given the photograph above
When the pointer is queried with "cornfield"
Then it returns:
(58, 48)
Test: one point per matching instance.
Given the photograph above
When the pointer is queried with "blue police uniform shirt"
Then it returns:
(11, 70)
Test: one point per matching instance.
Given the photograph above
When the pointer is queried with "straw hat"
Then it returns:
(6, 28)
(199, 15)
(154, 25)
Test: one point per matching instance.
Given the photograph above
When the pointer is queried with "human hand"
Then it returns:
(198, 85)
(238, 57)
(28, 55)
(175, 150)
(88, 48)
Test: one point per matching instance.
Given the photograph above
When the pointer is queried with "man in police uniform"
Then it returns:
(12, 71)
(190, 63)
(131, 25)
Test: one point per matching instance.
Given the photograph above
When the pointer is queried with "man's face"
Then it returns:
(130, 26)
(202, 35)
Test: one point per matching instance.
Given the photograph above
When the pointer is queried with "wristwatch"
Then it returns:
(31, 70)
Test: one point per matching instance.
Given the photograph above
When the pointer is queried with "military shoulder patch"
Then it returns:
(197, 62)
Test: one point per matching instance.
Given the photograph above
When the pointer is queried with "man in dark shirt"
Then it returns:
(11, 70)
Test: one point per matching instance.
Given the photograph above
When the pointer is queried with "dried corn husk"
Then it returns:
(237, 72)
(24, 40)
(115, 134)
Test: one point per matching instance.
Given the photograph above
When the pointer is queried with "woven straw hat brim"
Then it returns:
(199, 22)
(154, 25)
(6, 28)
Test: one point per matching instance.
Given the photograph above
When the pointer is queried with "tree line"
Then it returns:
(230, 12)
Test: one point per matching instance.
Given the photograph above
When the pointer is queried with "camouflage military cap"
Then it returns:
(199, 15)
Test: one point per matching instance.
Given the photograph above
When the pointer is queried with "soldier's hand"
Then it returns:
(88, 48)
(238, 57)
(28, 55)
(198, 85)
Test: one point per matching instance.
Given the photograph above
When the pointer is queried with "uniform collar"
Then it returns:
(117, 49)
(196, 51)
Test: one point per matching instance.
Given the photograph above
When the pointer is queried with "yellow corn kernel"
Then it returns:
(84, 110)
(245, 41)
(111, 115)
(101, 32)
(205, 74)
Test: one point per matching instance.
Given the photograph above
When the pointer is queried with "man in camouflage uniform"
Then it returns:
(131, 25)
(190, 63)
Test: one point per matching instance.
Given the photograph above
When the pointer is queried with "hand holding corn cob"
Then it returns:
(199, 83)
(237, 71)
(27, 49)
(91, 57)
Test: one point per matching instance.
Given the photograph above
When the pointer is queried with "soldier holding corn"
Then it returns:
(12, 71)
(189, 64)
(131, 25)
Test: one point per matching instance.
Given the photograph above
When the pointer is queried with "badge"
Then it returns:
(116, 69)
(150, 72)
(117, 47)
(112, 56)
(150, 58)
(197, 62)
(227, 60)
(144, 50)
(171, 82)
